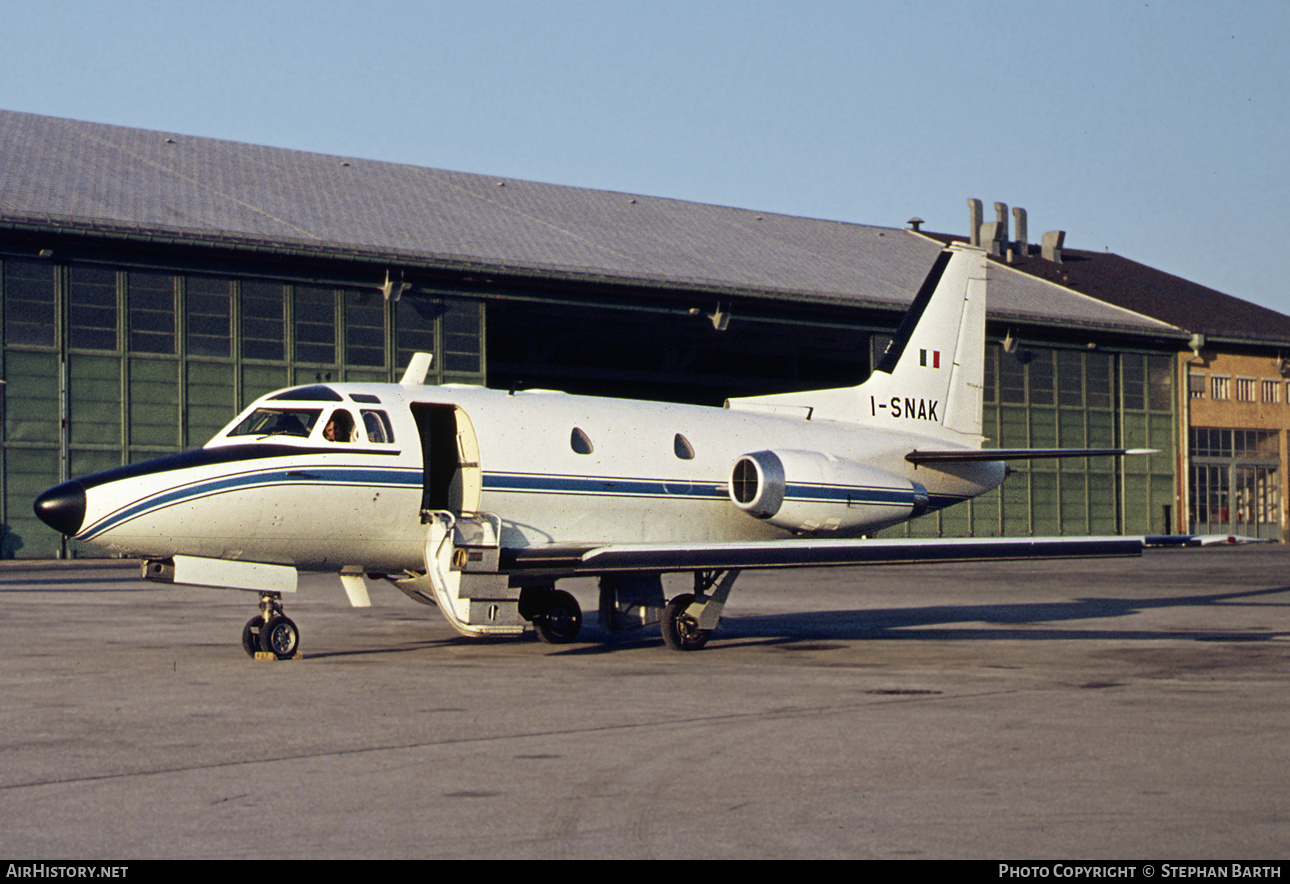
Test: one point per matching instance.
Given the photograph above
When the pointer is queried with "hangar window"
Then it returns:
(29, 303)
(315, 324)
(580, 442)
(1012, 378)
(364, 328)
(1070, 379)
(682, 447)
(1099, 379)
(264, 323)
(208, 308)
(415, 316)
(462, 327)
(92, 308)
(152, 311)
(1041, 376)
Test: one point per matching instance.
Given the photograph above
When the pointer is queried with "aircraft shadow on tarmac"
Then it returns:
(1035, 620)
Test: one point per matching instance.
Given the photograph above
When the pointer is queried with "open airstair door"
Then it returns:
(461, 548)
(451, 478)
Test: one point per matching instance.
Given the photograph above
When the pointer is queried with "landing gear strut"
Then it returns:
(689, 618)
(271, 631)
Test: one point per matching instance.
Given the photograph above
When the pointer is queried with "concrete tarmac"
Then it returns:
(1120, 709)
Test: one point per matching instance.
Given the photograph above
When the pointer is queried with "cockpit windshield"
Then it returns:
(278, 422)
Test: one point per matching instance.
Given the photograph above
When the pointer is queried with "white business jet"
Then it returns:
(478, 500)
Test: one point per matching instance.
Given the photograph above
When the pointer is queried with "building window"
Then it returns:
(1235, 482)
(1272, 391)
(1220, 389)
(1196, 386)
(1245, 389)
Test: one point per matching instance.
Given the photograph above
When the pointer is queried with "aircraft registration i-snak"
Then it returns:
(478, 500)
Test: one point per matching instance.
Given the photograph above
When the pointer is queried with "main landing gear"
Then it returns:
(554, 613)
(689, 618)
(271, 631)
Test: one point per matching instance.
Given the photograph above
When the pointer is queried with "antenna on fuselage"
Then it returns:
(418, 368)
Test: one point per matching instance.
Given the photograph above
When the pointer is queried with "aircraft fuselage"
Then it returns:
(555, 468)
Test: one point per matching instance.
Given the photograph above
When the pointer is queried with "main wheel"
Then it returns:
(560, 619)
(681, 632)
(251, 635)
(280, 637)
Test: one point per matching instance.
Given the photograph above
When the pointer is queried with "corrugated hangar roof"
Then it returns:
(73, 175)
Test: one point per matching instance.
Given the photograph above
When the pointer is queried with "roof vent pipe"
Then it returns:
(974, 222)
(993, 235)
(1050, 247)
(1001, 218)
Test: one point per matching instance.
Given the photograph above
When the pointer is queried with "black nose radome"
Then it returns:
(63, 507)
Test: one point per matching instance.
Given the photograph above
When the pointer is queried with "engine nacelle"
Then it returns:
(809, 492)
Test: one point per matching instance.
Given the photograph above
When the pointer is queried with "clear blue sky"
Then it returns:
(1158, 130)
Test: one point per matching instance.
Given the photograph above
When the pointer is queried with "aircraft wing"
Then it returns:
(807, 553)
(970, 454)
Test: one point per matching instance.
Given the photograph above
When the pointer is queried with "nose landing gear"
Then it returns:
(271, 634)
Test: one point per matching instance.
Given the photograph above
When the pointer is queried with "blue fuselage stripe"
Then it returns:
(513, 483)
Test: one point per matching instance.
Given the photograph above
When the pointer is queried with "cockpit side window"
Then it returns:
(278, 422)
(377, 425)
(339, 427)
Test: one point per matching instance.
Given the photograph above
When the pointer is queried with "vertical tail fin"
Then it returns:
(930, 379)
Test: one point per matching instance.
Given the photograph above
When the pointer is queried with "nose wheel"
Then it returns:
(271, 631)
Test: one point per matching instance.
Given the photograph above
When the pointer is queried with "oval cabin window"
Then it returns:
(580, 442)
(681, 445)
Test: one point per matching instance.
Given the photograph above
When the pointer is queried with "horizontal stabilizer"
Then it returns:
(963, 455)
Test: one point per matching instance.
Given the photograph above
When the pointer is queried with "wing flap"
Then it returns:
(822, 553)
(560, 560)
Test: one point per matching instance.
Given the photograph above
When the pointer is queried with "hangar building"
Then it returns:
(155, 283)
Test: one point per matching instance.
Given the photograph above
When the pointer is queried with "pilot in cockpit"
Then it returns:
(340, 427)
